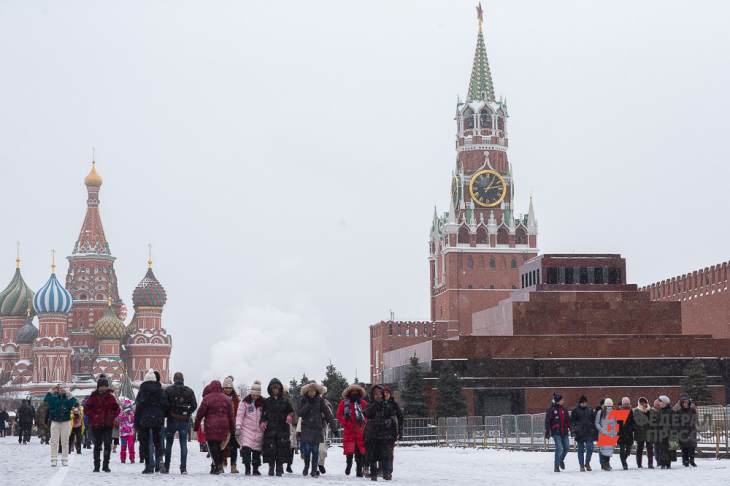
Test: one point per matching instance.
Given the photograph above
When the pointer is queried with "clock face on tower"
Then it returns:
(487, 188)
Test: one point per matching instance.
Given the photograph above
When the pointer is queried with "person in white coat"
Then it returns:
(602, 424)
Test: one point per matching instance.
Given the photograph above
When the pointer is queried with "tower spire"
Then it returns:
(17, 254)
(149, 255)
(480, 83)
(53, 261)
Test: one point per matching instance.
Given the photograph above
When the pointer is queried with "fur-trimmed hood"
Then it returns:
(347, 391)
(321, 390)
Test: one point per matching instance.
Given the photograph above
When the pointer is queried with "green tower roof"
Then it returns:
(480, 83)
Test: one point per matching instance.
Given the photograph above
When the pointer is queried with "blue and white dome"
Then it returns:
(52, 298)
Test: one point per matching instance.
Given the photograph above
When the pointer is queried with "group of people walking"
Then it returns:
(272, 429)
(659, 430)
(267, 430)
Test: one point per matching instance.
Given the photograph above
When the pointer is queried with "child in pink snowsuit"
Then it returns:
(126, 430)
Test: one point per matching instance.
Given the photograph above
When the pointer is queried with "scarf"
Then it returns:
(358, 410)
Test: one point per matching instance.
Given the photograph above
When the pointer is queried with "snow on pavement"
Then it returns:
(425, 466)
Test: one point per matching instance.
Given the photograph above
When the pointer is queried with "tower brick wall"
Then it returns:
(704, 298)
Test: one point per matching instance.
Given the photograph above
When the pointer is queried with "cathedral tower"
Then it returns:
(51, 349)
(13, 309)
(476, 248)
(148, 344)
(91, 279)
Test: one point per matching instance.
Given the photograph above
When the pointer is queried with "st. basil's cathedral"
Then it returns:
(81, 331)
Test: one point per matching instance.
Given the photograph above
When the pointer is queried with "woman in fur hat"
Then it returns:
(276, 416)
(248, 430)
(313, 412)
(349, 413)
(686, 429)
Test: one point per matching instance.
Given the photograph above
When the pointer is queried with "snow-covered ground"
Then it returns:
(30, 465)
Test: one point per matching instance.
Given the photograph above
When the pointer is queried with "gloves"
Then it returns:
(263, 426)
(289, 419)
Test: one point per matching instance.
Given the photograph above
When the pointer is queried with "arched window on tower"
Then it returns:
(485, 119)
(468, 119)
(502, 236)
(482, 236)
(500, 123)
(521, 236)
(463, 235)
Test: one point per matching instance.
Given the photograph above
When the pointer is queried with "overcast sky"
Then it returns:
(284, 158)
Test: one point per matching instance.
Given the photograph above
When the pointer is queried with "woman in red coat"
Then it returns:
(349, 413)
(217, 410)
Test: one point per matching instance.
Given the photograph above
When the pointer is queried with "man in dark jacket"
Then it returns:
(4, 417)
(557, 426)
(625, 433)
(686, 420)
(313, 412)
(24, 417)
(149, 417)
(663, 432)
(276, 416)
(181, 405)
(379, 432)
(102, 409)
(641, 426)
(582, 421)
(398, 427)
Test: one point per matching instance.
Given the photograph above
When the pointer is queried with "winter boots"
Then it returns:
(105, 467)
(348, 467)
(582, 469)
(288, 467)
(279, 468)
(588, 467)
(556, 469)
(256, 470)
(271, 468)
(247, 468)
(234, 468)
(322, 470)
(306, 467)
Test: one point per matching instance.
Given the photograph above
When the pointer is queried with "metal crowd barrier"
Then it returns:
(526, 432)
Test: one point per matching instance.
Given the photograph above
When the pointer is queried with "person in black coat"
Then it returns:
(380, 432)
(24, 417)
(149, 418)
(625, 433)
(641, 424)
(313, 412)
(276, 416)
(662, 431)
(397, 427)
(686, 420)
(582, 421)
(181, 404)
(4, 418)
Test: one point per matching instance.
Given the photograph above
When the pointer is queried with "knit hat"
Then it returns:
(150, 375)
(625, 402)
(664, 399)
(557, 397)
(102, 381)
(583, 399)
(684, 397)
(255, 388)
(608, 402)
(643, 399)
(178, 377)
(228, 382)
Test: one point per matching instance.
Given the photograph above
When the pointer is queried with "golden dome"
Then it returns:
(109, 326)
(93, 179)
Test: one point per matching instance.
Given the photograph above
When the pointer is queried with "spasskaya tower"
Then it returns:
(476, 248)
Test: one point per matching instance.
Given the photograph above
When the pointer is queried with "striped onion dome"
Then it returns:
(52, 298)
(14, 299)
(149, 292)
(109, 326)
(27, 333)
